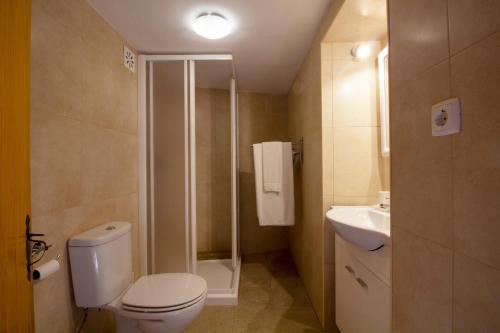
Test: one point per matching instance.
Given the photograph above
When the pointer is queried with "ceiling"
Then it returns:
(270, 38)
(359, 20)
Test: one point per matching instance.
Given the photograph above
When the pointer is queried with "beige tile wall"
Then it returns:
(83, 145)
(262, 117)
(310, 240)
(445, 190)
(359, 170)
(304, 101)
(353, 167)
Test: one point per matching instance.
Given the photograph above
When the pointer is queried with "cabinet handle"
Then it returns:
(362, 283)
(349, 269)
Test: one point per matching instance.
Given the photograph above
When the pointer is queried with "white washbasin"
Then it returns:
(367, 227)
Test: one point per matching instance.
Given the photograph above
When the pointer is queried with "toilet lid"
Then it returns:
(164, 290)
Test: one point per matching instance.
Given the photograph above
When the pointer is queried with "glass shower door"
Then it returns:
(188, 186)
(168, 164)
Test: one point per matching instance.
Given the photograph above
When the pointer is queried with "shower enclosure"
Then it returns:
(188, 206)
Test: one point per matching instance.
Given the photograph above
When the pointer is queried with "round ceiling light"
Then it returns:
(211, 26)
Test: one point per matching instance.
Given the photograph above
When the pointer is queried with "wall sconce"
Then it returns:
(360, 52)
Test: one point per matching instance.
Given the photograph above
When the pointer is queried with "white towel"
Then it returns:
(272, 166)
(275, 208)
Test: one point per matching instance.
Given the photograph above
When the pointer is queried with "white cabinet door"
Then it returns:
(363, 302)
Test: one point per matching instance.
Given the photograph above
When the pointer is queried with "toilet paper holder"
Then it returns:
(34, 247)
(39, 246)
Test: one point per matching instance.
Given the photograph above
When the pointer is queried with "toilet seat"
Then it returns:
(159, 293)
(162, 310)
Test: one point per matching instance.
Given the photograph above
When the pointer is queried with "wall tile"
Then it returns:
(56, 66)
(421, 168)
(355, 94)
(356, 168)
(476, 296)
(418, 37)
(328, 160)
(355, 89)
(56, 169)
(305, 95)
(66, 14)
(326, 86)
(101, 82)
(96, 32)
(305, 120)
(474, 45)
(109, 165)
(475, 79)
(471, 21)
(262, 117)
(254, 238)
(83, 165)
(354, 201)
(422, 293)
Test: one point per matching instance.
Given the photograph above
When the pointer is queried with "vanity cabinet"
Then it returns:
(363, 293)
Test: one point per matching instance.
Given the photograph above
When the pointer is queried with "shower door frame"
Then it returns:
(145, 209)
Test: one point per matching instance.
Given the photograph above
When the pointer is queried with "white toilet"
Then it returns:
(101, 268)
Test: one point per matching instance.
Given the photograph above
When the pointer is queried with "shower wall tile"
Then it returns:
(83, 145)
(262, 117)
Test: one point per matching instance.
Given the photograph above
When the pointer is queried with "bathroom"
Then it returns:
(135, 140)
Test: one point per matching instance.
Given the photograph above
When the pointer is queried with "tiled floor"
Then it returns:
(272, 299)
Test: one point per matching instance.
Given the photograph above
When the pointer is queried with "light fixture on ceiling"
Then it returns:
(211, 26)
(361, 51)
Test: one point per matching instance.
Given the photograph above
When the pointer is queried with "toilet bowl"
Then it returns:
(159, 303)
(101, 270)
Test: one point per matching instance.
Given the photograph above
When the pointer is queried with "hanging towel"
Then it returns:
(272, 166)
(275, 208)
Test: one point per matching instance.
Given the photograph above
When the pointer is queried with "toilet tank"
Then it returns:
(101, 263)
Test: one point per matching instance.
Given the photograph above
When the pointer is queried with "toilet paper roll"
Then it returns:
(46, 269)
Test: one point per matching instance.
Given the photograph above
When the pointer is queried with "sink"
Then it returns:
(367, 227)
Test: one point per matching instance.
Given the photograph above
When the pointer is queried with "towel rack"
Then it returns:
(297, 151)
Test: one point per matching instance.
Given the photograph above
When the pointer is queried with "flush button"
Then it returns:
(445, 117)
(111, 227)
